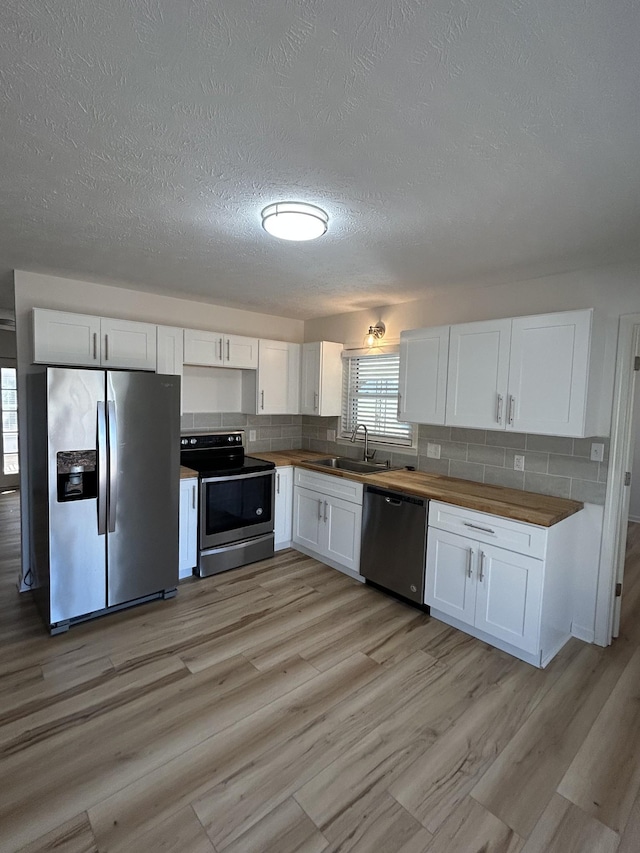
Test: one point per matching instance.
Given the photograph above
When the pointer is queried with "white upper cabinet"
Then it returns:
(321, 384)
(278, 379)
(548, 373)
(478, 372)
(528, 374)
(424, 356)
(170, 350)
(215, 349)
(60, 337)
(128, 344)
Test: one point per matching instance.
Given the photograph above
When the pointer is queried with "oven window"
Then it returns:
(241, 503)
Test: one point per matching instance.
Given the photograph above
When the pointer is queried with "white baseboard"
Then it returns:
(634, 519)
(586, 634)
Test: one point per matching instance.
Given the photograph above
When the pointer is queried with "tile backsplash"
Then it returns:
(553, 465)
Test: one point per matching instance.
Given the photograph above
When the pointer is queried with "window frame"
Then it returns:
(394, 444)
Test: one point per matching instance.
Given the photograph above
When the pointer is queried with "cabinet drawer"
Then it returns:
(330, 485)
(492, 529)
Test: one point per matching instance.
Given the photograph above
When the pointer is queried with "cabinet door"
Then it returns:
(278, 378)
(283, 507)
(63, 338)
(308, 524)
(188, 527)
(450, 579)
(240, 352)
(310, 379)
(129, 344)
(170, 341)
(343, 524)
(477, 376)
(509, 597)
(203, 348)
(330, 380)
(424, 356)
(548, 373)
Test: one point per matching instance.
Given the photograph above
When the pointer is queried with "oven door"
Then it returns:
(235, 508)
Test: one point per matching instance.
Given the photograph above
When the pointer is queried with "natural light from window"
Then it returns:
(9, 420)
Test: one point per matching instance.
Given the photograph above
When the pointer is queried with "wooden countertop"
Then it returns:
(529, 507)
(187, 473)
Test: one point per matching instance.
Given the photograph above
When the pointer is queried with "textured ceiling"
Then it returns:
(449, 141)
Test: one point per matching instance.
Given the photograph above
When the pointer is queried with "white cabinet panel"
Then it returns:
(478, 373)
(450, 562)
(321, 381)
(170, 350)
(343, 522)
(307, 518)
(240, 352)
(283, 507)
(188, 527)
(128, 344)
(203, 348)
(63, 338)
(424, 358)
(548, 373)
(278, 382)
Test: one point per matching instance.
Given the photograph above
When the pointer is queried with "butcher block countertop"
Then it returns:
(187, 473)
(529, 507)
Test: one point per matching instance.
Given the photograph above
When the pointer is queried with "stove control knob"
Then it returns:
(193, 441)
(230, 438)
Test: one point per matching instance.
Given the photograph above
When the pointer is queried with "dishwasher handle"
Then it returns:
(395, 498)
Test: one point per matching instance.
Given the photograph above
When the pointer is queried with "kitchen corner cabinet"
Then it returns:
(505, 582)
(188, 550)
(278, 378)
(60, 337)
(170, 342)
(527, 374)
(424, 358)
(321, 381)
(283, 507)
(215, 349)
(327, 519)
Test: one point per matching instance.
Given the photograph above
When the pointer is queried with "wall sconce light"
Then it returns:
(375, 333)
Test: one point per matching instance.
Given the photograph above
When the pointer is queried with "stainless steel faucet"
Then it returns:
(367, 455)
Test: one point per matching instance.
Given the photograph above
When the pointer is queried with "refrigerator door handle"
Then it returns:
(113, 463)
(102, 470)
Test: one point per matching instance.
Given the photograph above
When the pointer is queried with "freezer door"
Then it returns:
(143, 427)
(77, 552)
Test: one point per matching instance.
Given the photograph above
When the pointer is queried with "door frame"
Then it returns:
(612, 550)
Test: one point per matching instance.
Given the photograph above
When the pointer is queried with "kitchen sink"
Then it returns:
(344, 463)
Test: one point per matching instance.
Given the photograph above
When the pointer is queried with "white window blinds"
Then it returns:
(370, 397)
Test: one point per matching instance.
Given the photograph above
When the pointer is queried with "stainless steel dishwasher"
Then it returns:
(394, 541)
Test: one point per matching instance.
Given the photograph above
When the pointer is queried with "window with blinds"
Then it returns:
(370, 397)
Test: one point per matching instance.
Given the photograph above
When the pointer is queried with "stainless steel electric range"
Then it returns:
(236, 501)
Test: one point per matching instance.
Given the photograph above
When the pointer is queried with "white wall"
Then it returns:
(611, 291)
(35, 290)
(7, 344)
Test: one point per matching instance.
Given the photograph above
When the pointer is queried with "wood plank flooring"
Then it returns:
(284, 708)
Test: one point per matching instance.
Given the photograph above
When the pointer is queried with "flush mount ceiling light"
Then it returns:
(375, 333)
(294, 220)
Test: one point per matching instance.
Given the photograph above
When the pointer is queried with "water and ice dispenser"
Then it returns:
(77, 475)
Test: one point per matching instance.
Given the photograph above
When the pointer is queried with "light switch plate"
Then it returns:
(433, 450)
(597, 451)
(252, 435)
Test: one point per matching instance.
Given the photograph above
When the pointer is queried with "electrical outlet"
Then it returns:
(518, 463)
(252, 435)
(331, 435)
(433, 451)
(597, 452)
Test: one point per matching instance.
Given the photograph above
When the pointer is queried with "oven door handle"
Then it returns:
(237, 477)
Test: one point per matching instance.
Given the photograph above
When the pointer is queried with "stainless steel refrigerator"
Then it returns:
(104, 490)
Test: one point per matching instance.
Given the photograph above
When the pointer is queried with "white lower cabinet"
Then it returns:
(188, 527)
(283, 515)
(505, 582)
(327, 519)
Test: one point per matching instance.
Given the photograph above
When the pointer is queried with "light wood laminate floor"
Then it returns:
(285, 708)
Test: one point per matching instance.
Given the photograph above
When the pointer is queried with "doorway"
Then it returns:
(623, 432)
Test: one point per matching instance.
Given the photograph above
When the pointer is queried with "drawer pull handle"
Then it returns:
(478, 527)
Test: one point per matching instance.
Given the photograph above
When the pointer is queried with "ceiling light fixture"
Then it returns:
(294, 220)
(375, 333)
